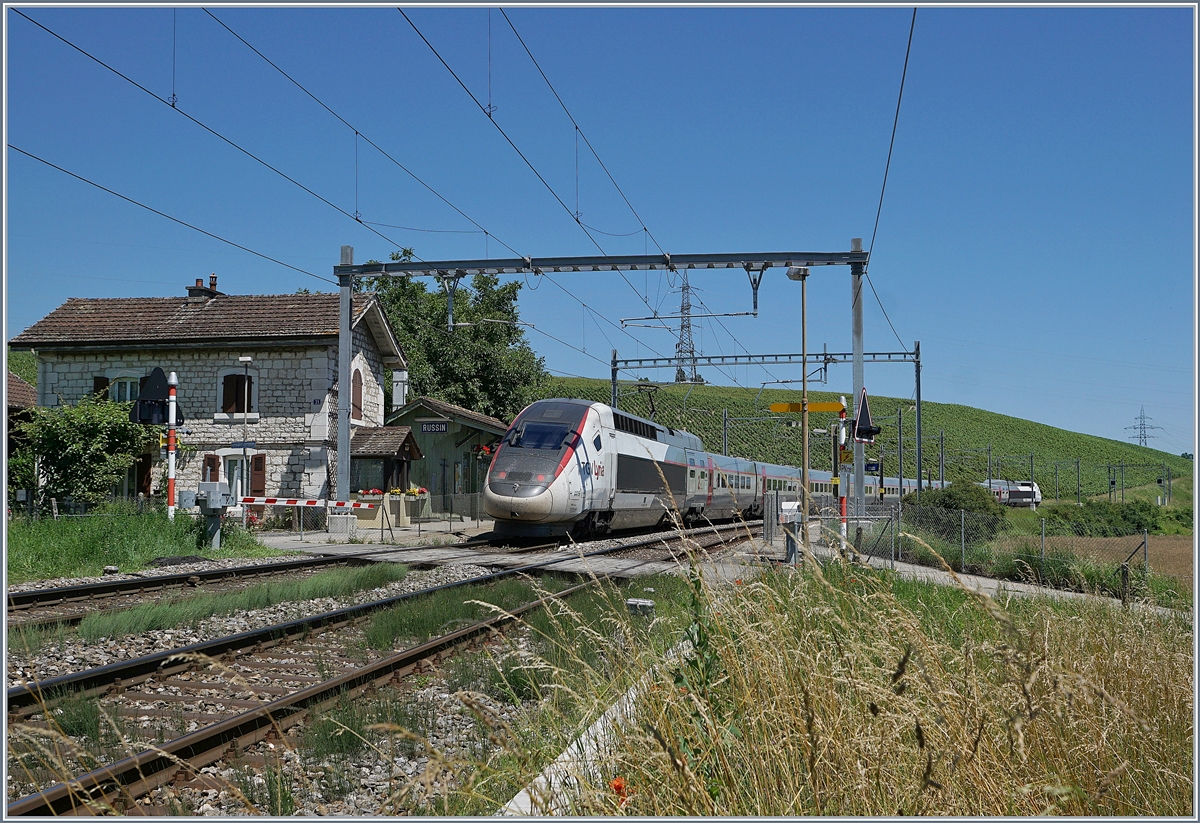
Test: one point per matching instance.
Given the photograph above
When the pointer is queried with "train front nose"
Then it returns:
(517, 501)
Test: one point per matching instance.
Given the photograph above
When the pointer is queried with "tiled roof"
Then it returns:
(162, 319)
(382, 441)
(449, 409)
(21, 395)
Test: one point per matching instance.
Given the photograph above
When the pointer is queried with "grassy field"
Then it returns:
(968, 432)
(844, 691)
(83, 546)
(23, 363)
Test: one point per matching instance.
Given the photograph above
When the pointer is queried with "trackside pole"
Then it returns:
(842, 487)
(172, 385)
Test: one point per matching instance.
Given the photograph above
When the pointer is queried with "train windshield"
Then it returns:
(532, 448)
(532, 435)
(545, 426)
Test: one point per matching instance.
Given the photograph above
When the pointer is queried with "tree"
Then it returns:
(488, 367)
(86, 449)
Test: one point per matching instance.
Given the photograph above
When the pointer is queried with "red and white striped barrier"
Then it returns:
(286, 501)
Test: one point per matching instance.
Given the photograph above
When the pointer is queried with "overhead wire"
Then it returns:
(548, 187)
(169, 217)
(515, 148)
(209, 129)
(368, 140)
(887, 167)
(579, 131)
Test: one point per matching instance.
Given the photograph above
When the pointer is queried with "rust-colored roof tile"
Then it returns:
(21, 395)
(179, 319)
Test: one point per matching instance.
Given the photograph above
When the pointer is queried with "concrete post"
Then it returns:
(345, 343)
(614, 379)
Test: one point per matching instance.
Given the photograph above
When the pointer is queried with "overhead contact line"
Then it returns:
(209, 129)
(369, 142)
(169, 217)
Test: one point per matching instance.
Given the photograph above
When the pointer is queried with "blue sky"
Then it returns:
(1037, 234)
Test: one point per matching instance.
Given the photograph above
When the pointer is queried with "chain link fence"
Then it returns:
(1048, 551)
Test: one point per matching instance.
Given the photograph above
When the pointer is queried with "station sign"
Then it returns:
(871, 468)
(435, 428)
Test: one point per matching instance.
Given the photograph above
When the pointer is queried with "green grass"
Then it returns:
(968, 432)
(23, 363)
(83, 546)
(419, 619)
(191, 610)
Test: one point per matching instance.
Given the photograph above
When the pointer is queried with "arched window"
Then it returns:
(356, 410)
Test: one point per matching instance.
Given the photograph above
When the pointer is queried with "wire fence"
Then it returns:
(1047, 551)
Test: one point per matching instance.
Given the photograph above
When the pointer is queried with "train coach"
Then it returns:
(574, 466)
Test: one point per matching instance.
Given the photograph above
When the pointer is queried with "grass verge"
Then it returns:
(191, 610)
(83, 546)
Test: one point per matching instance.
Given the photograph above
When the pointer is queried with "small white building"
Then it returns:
(283, 401)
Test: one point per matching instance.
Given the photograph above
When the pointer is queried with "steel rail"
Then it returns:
(29, 699)
(140, 773)
(34, 598)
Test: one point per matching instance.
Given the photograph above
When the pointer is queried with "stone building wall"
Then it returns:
(293, 421)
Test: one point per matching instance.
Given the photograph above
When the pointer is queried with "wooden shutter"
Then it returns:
(246, 396)
(356, 396)
(258, 475)
(230, 393)
(100, 387)
(211, 472)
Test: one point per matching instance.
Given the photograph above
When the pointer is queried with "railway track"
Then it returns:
(68, 605)
(264, 681)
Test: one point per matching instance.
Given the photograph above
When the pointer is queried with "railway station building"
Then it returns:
(457, 445)
(267, 424)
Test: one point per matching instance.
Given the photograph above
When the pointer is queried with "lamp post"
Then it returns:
(801, 273)
(245, 360)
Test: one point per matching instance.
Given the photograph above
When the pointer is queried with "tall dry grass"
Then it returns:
(838, 690)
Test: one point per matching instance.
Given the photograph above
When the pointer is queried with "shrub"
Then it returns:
(85, 449)
(960, 496)
(1100, 518)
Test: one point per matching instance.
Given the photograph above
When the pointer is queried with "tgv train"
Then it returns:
(587, 468)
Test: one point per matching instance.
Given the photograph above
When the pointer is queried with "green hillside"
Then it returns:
(23, 364)
(967, 434)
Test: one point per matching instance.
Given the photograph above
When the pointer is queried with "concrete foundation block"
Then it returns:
(342, 524)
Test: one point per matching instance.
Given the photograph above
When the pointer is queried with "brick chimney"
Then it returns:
(199, 292)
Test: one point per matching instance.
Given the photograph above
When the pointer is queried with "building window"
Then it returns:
(236, 386)
(236, 393)
(356, 403)
(124, 389)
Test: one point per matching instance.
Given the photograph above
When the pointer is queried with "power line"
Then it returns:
(520, 154)
(210, 130)
(164, 214)
(887, 167)
(369, 141)
(433, 231)
(579, 131)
